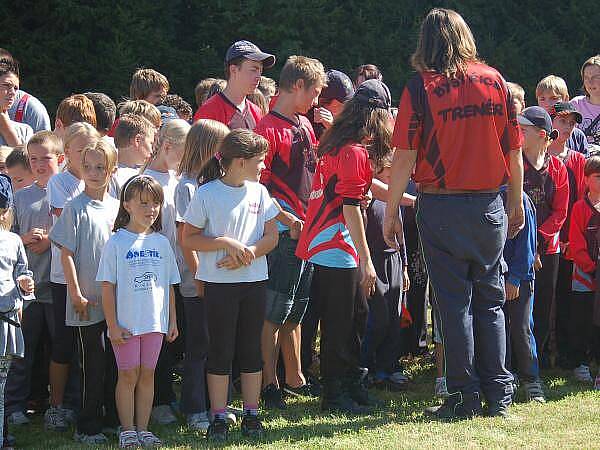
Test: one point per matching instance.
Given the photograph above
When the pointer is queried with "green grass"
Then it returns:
(570, 419)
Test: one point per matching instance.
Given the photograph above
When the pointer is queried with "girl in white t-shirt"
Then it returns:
(138, 269)
(201, 145)
(231, 222)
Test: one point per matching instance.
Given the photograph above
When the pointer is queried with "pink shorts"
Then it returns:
(137, 351)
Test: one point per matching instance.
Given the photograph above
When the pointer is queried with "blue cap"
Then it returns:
(6, 192)
(246, 49)
(339, 87)
(167, 113)
(374, 93)
(537, 116)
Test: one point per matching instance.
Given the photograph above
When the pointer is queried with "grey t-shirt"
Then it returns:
(83, 228)
(32, 211)
(34, 113)
(24, 132)
(183, 196)
(13, 264)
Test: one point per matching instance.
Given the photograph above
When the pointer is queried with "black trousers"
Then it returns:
(235, 313)
(98, 380)
(343, 310)
(583, 333)
(563, 300)
(194, 392)
(544, 304)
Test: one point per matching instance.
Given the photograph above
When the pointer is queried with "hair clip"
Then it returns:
(218, 156)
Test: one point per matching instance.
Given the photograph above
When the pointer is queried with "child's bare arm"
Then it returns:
(116, 333)
(269, 240)
(80, 303)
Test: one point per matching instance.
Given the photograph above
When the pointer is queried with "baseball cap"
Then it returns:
(167, 113)
(566, 108)
(339, 87)
(538, 117)
(6, 192)
(246, 49)
(374, 93)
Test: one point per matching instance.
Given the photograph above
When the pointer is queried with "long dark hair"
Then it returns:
(356, 122)
(239, 143)
(138, 185)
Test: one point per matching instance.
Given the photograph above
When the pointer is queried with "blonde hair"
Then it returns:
(201, 144)
(445, 44)
(141, 108)
(5, 150)
(554, 84)
(202, 88)
(104, 148)
(296, 68)
(146, 81)
(174, 132)
(129, 126)
(79, 129)
(76, 108)
(593, 61)
(6, 218)
(48, 139)
(259, 100)
(267, 86)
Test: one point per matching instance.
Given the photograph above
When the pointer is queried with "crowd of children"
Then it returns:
(140, 240)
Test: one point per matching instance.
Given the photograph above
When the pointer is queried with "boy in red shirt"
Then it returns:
(583, 248)
(244, 63)
(288, 175)
(546, 182)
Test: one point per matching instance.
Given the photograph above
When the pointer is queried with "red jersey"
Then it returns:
(548, 189)
(575, 163)
(461, 128)
(290, 161)
(583, 244)
(221, 109)
(342, 177)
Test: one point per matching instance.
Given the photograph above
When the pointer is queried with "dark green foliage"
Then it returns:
(68, 46)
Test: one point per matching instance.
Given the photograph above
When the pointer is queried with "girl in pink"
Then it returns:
(138, 270)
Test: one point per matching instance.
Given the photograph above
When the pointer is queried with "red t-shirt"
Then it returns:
(575, 164)
(583, 244)
(462, 128)
(290, 161)
(221, 109)
(341, 177)
(548, 189)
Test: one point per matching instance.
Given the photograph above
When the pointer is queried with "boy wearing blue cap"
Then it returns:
(244, 63)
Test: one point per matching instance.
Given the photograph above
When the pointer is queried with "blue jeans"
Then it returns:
(463, 238)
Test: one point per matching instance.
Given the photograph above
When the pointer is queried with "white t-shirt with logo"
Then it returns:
(143, 267)
(236, 212)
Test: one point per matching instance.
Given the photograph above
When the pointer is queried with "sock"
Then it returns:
(219, 413)
(251, 410)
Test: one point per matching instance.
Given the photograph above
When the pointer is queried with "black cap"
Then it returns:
(538, 117)
(246, 49)
(339, 87)
(374, 93)
(566, 108)
(6, 192)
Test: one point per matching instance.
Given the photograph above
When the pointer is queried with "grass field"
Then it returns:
(570, 419)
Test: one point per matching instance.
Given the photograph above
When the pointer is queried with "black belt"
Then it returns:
(8, 320)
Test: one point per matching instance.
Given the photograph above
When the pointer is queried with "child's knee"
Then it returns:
(129, 376)
(146, 375)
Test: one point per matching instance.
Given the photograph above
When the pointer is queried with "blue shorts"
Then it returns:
(289, 282)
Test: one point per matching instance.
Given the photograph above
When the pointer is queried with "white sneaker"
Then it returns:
(198, 422)
(534, 392)
(583, 374)
(440, 387)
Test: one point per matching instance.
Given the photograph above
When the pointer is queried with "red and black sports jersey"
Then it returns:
(221, 109)
(583, 244)
(290, 161)
(548, 189)
(342, 177)
(462, 128)
(575, 163)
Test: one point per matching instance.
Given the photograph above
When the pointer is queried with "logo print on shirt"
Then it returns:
(144, 281)
(144, 253)
(253, 207)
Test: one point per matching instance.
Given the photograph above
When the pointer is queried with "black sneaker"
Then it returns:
(335, 399)
(252, 426)
(302, 391)
(272, 398)
(218, 430)
(457, 406)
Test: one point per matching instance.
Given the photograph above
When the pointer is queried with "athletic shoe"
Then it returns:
(147, 439)
(441, 390)
(54, 419)
(272, 398)
(399, 377)
(597, 383)
(583, 374)
(252, 426)
(18, 418)
(198, 422)
(534, 392)
(90, 439)
(218, 430)
(128, 439)
(70, 416)
(163, 415)
(457, 406)
(305, 390)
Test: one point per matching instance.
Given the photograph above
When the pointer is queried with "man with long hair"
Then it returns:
(457, 123)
